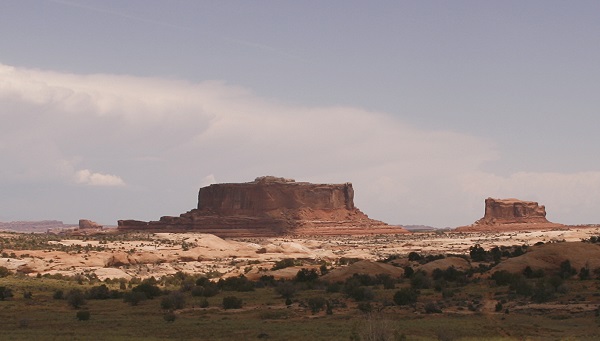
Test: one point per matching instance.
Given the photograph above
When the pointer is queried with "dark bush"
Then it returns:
(323, 269)
(174, 300)
(502, 277)
(408, 271)
(566, 270)
(520, 286)
(450, 275)
(232, 302)
(58, 295)
(203, 303)
(477, 253)
(170, 316)
(365, 307)
(420, 280)
(205, 287)
(267, 280)
(75, 298)
(285, 263)
(240, 283)
(306, 275)
(149, 289)
(406, 296)
(414, 257)
(99, 292)
(134, 297)
(584, 274)
(316, 304)
(286, 289)
(529, 273)
(333, 287)
(496, 254)
(354, 290)
(83, 315)
(432, 308)
(5, 293)
(4, 271)
(543, 292)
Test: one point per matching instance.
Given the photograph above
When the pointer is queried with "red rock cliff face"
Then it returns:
(269, 194)
(511, 214)
(271, 206)
(511, 211)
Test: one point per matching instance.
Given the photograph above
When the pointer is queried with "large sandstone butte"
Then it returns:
(270, 206)
(511, 215)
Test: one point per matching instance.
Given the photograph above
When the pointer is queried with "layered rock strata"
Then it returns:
(511, 214)
(270, 206)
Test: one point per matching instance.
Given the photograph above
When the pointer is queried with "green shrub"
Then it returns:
(232, 302)
(406, 296)
(502, 277)
(58, 295)
(240, 283)
(414, 257)
(75, 298)
(286, 289)
(306, 275)
(432, 308)
(4, 271)
(99, 292)
(420, 280)
(149, 289)
(316, 304)
(174, 300)
(285, 263)
(566, 270)
(5, 293)
(134, 297)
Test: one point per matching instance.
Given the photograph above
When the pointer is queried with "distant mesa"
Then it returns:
(270, 206)
(510, 215)
(41, 226)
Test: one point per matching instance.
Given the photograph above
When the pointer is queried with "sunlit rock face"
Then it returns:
(271, 206)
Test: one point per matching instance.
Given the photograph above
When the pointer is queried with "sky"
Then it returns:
(123, 109)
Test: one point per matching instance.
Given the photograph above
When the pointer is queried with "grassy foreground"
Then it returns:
(264, 315)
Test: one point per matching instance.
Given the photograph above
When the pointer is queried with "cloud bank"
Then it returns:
(132, 147)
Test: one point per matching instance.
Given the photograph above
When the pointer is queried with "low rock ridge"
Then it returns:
(270, 206)
(511, 214)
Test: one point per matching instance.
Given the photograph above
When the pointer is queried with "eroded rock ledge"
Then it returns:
(270, 206)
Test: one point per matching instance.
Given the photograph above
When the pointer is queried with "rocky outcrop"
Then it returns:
(270, 206)
(511, 214)
(86, 224)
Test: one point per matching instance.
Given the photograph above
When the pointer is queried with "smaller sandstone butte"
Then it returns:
(88, 224)
(270, 206)
(510, 215)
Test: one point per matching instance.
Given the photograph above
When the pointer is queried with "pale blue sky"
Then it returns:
(487, 98)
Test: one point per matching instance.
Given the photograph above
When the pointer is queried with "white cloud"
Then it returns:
(165, 136)
(87, 177)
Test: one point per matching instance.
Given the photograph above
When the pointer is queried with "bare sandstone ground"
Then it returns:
(166, 253)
